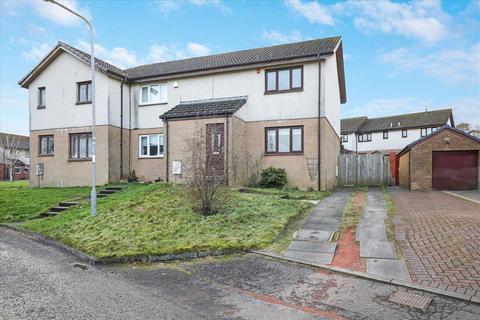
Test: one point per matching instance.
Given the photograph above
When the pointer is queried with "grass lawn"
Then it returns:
(158, 219)
(289, 193)
(18, 202)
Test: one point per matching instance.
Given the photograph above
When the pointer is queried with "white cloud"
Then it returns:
(197, 49)
(211, 3)
(59, 15)
(465, 110)
(421, 20)
(161, 53)
(168, 6)
(37, 52)
(386, 106)
(13, 109)
(313, 11)
(277, 37)
(118, 56)
(453, 66)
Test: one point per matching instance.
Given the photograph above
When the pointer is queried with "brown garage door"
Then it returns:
(455, 170)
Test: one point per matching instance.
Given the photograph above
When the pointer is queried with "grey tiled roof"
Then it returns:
(402, 121)
(23, 141)
(203, 108)
(351, 124)
(238, 58)
(102, 65)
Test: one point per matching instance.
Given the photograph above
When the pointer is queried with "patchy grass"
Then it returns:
(158, 219)
(18, 202)
(390, 214)
(289, 193)
(353, 209)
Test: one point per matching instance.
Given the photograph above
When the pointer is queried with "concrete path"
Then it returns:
(470, 195)
(311, 242)
(378, 252)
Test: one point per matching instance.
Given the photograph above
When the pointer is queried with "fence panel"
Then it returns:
(364, 169)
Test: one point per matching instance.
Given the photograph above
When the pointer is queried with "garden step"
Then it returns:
(58, 209)
(108, 191)
(114, 188)
(49, 213)
(68, 204)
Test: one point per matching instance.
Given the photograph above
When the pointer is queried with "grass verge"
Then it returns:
(353, 209)
(390, 214)
(158, 219)
(18, 202)
(288, 193)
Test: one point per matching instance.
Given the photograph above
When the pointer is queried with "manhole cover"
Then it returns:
(410, 300)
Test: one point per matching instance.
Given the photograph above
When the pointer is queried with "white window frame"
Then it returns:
(159, 154)
(424, 132)
(163, 94)
(344, 137)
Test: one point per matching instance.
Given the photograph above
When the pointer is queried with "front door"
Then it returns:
(215, 148)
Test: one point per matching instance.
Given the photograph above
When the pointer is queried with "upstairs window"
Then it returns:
(385, 134)
(84, 92)
(404, 133)
(45, 145)
(423, 132)
(284, 140)
(153, 93)
(41, 98)
(81, 146)
(284, 80)
(151, 145)
(344, 137)
(364, 137)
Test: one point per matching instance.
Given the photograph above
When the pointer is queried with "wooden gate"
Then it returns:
(364, 169)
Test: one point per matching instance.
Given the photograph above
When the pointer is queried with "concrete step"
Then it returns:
(68, 204)
(107, 191)
(58, 209)
(114, 188)
(48, 213)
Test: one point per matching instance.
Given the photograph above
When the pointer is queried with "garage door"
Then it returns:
(455, 170)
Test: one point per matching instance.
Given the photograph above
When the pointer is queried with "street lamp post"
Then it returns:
(93, 194)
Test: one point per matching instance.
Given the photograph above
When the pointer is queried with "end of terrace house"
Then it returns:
(278, 106)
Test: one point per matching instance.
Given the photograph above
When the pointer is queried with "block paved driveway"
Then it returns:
(439, 237)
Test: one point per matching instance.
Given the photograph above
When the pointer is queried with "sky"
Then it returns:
(400, 56)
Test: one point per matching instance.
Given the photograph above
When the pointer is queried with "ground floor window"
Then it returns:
(150, 145)
(45, 145)
(81, 146)
(281, 140)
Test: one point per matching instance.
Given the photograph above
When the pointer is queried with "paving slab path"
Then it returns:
(312, 242)
(379, 253)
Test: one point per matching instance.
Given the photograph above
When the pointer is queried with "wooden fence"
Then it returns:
(364, 169)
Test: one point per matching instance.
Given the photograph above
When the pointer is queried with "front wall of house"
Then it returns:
(60, 80)
(421, 156)
(58, 169)
(147, 169)
(404, 170)
(330, 150)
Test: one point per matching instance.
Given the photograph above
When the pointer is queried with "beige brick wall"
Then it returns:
(114, 154)
(147, 169)
(404, 170)
(58, 169)
(239, 152)
(421, 156)
(330, 150)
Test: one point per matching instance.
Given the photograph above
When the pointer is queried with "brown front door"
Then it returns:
(215, 148)
(455, 170)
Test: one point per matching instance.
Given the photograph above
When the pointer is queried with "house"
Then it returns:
(278, 106)
(392, 133)
(446, 159)
(14, 155)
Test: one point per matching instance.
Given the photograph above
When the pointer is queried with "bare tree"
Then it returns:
(254, 169)
(10, 143)
(204, 182)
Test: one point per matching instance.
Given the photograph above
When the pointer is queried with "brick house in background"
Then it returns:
(22, 167)
(279, 104)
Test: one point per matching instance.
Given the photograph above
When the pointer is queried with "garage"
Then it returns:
(447, 159)
(454, 170)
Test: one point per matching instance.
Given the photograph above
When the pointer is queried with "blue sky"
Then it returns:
(400, 56)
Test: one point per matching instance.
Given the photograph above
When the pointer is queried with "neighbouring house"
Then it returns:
(447, 159)
(392, 133)
(278, 106)
(14, 156)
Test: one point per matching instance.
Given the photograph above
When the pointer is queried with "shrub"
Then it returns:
(273, 177)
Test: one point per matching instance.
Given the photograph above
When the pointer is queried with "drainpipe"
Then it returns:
(121, 129)
(319, 120)
(129, 128)
(226, 147)
(167, 147)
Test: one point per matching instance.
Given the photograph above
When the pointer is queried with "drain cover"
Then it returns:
(410, 300)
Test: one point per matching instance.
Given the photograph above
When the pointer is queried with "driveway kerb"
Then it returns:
(461, 197)
(405, 284)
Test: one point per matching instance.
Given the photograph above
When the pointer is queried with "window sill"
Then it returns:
(45, 155)
(284, 154)
(85, 102)
(79, 160)
(41, 107)
(283, 91)
(151, 104)
(150, 157)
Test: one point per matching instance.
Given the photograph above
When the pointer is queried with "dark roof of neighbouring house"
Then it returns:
(284, 52)
(289, 51)
(405, 121)
(428, 136)
(350, 125)
(205, 108)
(23, 141)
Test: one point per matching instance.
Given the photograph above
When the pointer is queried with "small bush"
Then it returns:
(273, 177)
